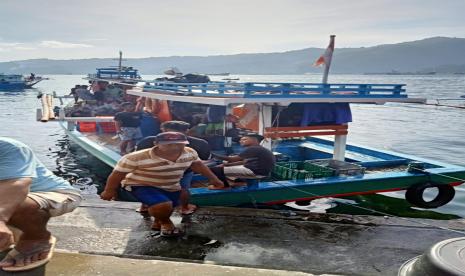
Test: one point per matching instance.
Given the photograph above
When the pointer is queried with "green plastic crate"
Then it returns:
(300, 170)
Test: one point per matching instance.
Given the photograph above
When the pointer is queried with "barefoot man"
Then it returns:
(29, 195)
(152, 176)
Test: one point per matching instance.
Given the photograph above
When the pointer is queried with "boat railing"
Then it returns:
(279, 90)
(88, 119)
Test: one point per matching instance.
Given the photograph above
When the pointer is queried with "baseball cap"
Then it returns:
(170, 138)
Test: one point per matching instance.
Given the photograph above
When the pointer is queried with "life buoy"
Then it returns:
(414, 195)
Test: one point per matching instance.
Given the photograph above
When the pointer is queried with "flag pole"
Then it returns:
(329, 58)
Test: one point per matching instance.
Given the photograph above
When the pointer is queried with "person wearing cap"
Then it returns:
(153, 177)
(199, 145)
(254, 162)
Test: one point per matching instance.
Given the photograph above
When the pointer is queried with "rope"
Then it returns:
(379, 212)
(439, 174)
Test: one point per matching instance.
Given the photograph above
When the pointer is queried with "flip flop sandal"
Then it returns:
(171, 233)
(6, 249)
(142, 211)
(15, 254)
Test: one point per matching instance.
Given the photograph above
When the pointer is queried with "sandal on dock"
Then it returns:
(171, 233)
(15, 256)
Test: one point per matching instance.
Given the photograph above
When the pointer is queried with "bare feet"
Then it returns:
(28, 254)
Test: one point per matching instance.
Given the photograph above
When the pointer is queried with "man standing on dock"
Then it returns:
(29, 195)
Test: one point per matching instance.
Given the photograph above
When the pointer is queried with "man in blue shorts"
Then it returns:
(29, 195)
(199, 145)
(153, 175)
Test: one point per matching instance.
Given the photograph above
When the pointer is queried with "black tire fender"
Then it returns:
(414, 195)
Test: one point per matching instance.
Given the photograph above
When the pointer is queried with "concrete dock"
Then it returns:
(222, 240)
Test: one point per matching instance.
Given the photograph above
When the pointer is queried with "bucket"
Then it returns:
(445, 258)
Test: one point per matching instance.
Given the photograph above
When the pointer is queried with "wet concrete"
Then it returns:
(297, 241)
(86, 265)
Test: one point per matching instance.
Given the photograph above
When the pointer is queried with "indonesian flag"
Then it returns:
(325, 58)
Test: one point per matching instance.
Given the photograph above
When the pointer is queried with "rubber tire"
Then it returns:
(414, 195)
(303, 202)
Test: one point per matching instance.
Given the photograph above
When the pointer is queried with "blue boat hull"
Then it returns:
(272, 192)
(13, 86)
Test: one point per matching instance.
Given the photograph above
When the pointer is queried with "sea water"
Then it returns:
(427, 131)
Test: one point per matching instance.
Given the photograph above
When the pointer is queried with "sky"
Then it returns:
(60, 29)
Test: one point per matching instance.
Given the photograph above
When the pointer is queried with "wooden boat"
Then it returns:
(120, 73)
(313, 167)
(309, 167)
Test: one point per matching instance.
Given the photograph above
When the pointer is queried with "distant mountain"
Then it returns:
(440, 54)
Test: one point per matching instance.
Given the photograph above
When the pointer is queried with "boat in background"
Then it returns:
(217, 74)
(120, 73)
(18, 82)
(398, 73)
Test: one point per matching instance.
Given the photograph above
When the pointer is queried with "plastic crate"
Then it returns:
(339, 167)
(107, 127)
(300, 170)
(87, 126)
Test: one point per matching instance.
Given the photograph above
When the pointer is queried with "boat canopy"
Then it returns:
(225, 93)
(115, 73)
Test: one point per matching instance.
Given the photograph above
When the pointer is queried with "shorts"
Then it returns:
(186, 180)
(57, 202)
(233, 172)
(151, 195)
(130, 133)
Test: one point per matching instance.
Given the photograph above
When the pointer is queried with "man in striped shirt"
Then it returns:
(153, 176)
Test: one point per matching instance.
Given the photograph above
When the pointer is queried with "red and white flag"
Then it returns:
(325, 58)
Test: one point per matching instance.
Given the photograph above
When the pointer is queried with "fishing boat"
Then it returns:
(18, 82)
(120, 73)
(309, 164)
(308, 167)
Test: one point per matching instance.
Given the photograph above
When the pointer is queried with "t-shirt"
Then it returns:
(144, 168)
(199, 145)
(17, 160)
(129, 119)
(258, 159)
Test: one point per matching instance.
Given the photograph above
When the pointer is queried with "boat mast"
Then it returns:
(340, 141)
(328, 55)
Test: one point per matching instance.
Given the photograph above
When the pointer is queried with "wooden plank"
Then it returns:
(302, 134)
(269, 129)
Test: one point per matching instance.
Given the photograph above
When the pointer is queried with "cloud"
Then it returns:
(9, 44)
(62, 45)
(24, 48)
